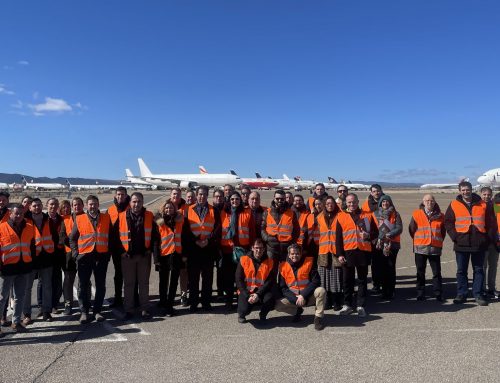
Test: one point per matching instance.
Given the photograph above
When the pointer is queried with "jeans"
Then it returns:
(490, 268)
(45, 277)
(86, 265)
(477, 259)
(18, 283)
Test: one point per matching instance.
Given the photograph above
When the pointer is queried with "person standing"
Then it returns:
(257, 210)
(255, 279)
(491, 258)
(319, 193)
(90, 245)
(17, 249)
(4, 217)
(59, 258)
(353, 241)
(203, 229)
(138, 236)
(181, 205)
(471, 226)
(121, 203)
(388, 244)
(428, 233)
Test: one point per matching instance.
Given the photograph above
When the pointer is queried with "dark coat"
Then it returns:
(240, 278)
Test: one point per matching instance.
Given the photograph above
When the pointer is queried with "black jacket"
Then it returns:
(315, 282)
(473, 240)
(268, 283)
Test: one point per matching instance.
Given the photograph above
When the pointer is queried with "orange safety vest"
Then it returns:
(253, 279)
(125, 232)
(285, 227)
(6, 216)
(428, 232)
(498, 228)
(327, 235)
(113, 213)
(244, 218)
(464, 219)
(302, 218)
(43, 240)
(91, 238)
(312, 228)
(310, 202)
(201, 230)
(12, 248)
(351, 234)
(68, 226)
(297, 283)
(392, 219)
(171, 239)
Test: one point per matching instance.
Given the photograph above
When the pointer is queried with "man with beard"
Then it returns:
(319, 193)
(342, 191)
(280, 227)
(257, 211)
(121, 203)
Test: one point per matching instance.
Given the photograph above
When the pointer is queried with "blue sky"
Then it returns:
(395, 91)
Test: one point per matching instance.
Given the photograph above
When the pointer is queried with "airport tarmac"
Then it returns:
(402, 340)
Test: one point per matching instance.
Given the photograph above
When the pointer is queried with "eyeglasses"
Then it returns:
(342, 191)
(234, 199)
(245, 193)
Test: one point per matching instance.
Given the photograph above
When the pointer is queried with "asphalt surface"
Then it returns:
(401, 340)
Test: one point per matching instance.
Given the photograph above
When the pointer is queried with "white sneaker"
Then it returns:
(361, 311)
(345, 310)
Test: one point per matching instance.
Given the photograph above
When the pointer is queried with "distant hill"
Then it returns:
(18, 178)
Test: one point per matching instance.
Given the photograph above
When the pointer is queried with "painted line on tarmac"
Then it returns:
(413, 266)
(153, 201)
(346, 332)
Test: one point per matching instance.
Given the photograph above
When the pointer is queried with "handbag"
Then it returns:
(238, 252)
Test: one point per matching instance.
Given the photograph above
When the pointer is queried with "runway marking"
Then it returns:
(141, 331)
(346, 332)
(153, 201)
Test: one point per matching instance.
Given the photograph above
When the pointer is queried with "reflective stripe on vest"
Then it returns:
(255, 280)
(284, 229)
(298, 283)
(303, 219)
(428, 232)
(200, 229)
(351, 235)
(91, 238)
(171, 240)
(43, 240)
(12, 248)
(327, 235)
(114, 213)
(244, 218)
(125, 232)
(464, 219)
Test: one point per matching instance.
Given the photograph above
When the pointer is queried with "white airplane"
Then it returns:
(351, 186)
(138, 183)
(305, 184)
(4, 186)
(443, 186)
(186, 180)
(284, 183)
(490, 178)
(96, 186)
(38, 186)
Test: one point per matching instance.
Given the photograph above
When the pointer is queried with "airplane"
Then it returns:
(4, 186)
(349, 184)
(305, 184)
(443, 186)
(186, 181)
(490, 178)
(96, 186)
(257, 183)
(138, 183)
(38, 186)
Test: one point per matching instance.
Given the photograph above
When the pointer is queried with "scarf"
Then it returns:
(233, 224)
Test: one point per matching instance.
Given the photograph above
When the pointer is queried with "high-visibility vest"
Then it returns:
(351, 235)
(68, 227)
(327, 235)
(296, 283)
(366, 207)
(253, 279)
(125, 236)
(428, 232)
(312, 228)
(310, 203)
(498, 227)
(464, 219)
(91, 238)
(201, 229)
(284, 229)
(171, 239)
(244, 218)
(12, 248)
(302, 218)
(114, 213)
(43, 240)
(392, 219)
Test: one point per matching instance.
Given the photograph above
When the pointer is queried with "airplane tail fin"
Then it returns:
(202, 169)
(143, 168)
(233, 172)
(128, 173)
(297, 178)
(285, 177)
(68, 184)
(258, 175)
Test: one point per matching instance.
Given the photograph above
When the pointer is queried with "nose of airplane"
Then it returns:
(484, 179)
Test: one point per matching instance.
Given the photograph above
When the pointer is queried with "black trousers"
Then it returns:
(266, 303)
(118, 278)
(170, 267)
(57, 284)
(349, 273)
(437, 279)
(386, 267)
(228, 276)
(87, 265)
(197, 266)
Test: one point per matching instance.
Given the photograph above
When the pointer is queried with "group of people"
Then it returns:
(292, 254)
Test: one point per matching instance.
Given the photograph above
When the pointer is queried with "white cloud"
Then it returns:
(79, 105)
(17, 105)
(23, 62)
(56, 105)
(4, 90)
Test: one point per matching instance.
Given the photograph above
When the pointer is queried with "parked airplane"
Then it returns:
(257, 183)
(186, 180)
(96, 186)
(138, 183)
(443, 186)
(4, 186)
(305, 184)
(491, 178)
(349, 184)
(38, 186)
(284, 183)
